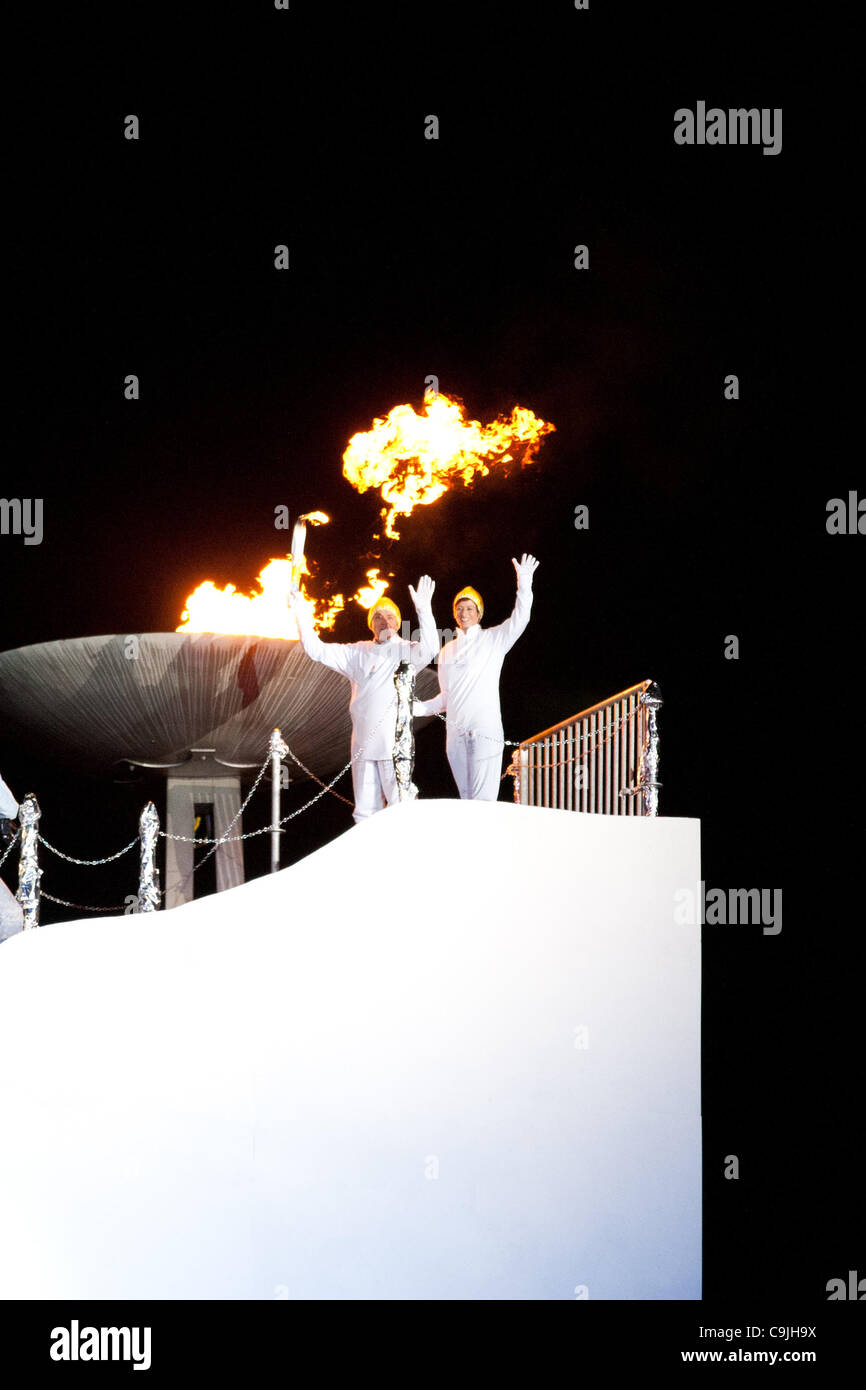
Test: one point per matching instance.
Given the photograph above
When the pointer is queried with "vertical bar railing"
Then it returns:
(547, 771)
(632, 752)
(602, 760)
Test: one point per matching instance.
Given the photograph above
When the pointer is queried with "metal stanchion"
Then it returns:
(148, 878)
(278, 750)
(29, 872)
(649, 756)
(518, 769)
(404, 740)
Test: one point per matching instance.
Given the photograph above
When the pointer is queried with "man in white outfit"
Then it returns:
(469, 669)
(11, 915)
(370, 666)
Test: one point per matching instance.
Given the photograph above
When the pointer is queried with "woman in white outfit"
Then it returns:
(370, 666)
(469, 669)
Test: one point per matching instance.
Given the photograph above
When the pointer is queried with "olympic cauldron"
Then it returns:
(198, 706)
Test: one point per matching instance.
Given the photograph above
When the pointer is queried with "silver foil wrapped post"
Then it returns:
(648, 781)
(518, 769)
(148, 873)
(29, 872)
(404, 740)
(278, 750)
(513, 771)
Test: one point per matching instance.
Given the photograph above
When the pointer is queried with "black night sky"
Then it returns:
(454, 257)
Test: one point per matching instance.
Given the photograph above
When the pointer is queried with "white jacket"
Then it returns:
(8, 804)
(370, 666)
(469, 669)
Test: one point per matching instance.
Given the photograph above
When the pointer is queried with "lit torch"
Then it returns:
(299, 541)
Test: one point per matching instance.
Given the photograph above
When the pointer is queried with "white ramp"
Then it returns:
(453, 1054)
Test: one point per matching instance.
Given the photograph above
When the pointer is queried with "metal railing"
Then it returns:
(604, 759)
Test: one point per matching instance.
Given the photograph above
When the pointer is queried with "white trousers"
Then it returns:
(11, 914)
(374, 782)
(476, 762)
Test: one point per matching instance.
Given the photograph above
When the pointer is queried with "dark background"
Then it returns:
(455, 257)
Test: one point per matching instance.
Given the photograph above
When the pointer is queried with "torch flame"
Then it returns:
(413, 459)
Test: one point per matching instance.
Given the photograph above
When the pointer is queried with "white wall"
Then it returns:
(244, 1097)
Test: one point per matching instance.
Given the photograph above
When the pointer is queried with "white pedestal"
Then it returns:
(453, 1054)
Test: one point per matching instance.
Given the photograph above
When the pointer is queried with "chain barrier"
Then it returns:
(70, 860)
(304, 768)
(267, 829)
(509, 742)
(223, 838)
(326, 786)
(214, 843)
(82, 907)
(227, 839)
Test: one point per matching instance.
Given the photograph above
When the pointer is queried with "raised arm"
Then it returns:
(509, 631)
(336, 655)
(424, 651)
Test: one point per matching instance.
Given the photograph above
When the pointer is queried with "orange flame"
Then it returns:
(373, 589)
(265, 614)
(413, 459)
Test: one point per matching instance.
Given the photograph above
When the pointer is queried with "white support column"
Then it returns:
(229, 857)
(183, 793)
(180, 819)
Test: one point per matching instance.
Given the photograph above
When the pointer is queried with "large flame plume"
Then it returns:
(413, 459)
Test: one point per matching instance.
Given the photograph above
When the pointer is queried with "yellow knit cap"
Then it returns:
(383, 602)
(476, 598)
